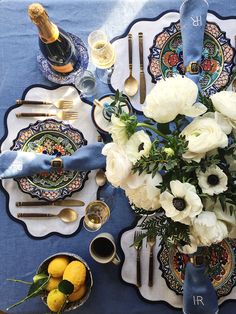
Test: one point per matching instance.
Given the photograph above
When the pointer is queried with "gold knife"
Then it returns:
(56, 203)
(142, 76)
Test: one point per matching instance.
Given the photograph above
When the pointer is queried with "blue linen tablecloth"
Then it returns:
(19, 254)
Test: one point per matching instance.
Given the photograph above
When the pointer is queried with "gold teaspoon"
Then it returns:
(100, 177)
(66, 215)
(131, 84)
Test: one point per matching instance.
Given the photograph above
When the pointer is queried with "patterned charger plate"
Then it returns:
(53, 138)
(172, 265)
(69, 78)
(166, 57)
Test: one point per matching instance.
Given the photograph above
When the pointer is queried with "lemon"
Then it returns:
(55, 300)
(57, 266)
(77, 294)
(53, 283)
(75, 272)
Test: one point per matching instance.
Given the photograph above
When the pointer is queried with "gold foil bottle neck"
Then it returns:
(48, 31)
(37, 13)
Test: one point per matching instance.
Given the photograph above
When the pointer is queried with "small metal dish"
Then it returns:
(89, 279)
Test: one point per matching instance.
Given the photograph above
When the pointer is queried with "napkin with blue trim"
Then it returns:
(20, 164)
(193, 15)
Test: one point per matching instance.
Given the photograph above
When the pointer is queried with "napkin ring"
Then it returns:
(193, 68)
(57, 163)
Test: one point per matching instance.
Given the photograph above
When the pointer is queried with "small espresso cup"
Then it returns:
(103, 249)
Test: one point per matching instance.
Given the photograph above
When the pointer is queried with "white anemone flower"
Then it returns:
(138, 145)
(213, 180)
(183, 203)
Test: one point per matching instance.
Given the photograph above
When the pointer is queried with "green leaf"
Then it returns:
(39, 276)
(37, 286)
(66, 287)
(35, 289)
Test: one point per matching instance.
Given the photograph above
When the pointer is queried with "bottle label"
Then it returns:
(63, 68)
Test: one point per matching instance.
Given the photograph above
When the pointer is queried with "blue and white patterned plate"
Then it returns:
(65, 79)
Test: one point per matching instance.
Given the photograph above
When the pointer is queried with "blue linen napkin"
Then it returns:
(20, 164)
(193, 15)
(199, 296)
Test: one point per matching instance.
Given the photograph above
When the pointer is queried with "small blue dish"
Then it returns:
(102, 118)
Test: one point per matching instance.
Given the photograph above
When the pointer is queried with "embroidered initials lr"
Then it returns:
(197, 21)
(197, 300)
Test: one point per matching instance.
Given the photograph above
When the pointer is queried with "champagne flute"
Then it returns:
(102, 54)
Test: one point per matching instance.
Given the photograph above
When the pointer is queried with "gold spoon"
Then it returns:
(66, 215)
(100, 177)
(131, 84)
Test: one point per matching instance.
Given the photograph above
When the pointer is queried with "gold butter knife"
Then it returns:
(142, 76)
(56, 203)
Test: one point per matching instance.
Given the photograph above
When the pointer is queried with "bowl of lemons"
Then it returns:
(66, 281)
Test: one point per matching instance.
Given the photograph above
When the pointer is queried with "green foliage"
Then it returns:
(205, 100)
(119, 101)
(171, 232)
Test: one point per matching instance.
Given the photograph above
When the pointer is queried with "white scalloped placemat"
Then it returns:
(159, 291)
(150, 29)
(43, 226)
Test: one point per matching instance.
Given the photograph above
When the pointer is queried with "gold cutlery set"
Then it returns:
(61, 114)
(66, 214)
(151, 241)
(131, 84)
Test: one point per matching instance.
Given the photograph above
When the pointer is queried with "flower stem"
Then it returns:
(144, 125)
(21, 281)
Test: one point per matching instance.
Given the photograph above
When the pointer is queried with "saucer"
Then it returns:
(102, 124)
(65, 79)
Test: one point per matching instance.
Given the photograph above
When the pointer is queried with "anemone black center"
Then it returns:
(141, 147)
(213, 179)
(179, 203)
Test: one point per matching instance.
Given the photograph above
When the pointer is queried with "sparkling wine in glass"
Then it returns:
(103, 55)
(96, 214)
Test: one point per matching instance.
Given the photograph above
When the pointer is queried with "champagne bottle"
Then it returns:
(55, 44)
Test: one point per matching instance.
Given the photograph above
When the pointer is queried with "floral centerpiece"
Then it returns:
(180, 162)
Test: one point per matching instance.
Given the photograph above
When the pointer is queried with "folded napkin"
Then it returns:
(20, 164)
(199, 296)
(193, 15)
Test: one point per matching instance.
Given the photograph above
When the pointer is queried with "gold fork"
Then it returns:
(151, 241)
(138, 246)
(60, 104)
(62, 115)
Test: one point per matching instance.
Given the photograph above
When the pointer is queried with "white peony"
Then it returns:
(225, 103)
(228, 216)
(173, 96)
(203, 134)
(208, 230)
(189, 248)
(118, 167)
(213, 180)
(139, 144)
(142, 190)
(118, 130)
(183, 203)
